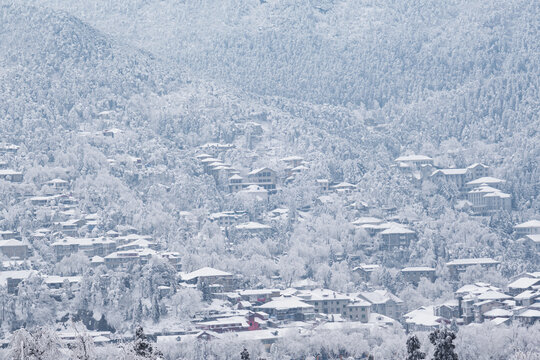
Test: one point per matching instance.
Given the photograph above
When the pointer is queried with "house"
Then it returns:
(14, 249)
(344, 188)
(458, 266)
(58, 184)
(293, 161)
(225, 324)
(126, 257)
(486, 199)
(325, 301)
(253, 192)
(89, 246)
(528, 317)
(9, 148)
(174, 258)
(236, 183)
(323, 185)
(413, 161)
(383, 302)
(527, 297)
(448, 310)
(520, 285)
(423, 319)
(413, 274)
(210, 276)
(453, 176)
(476, 171)
(357, 310)
(288, 307)
(258, 296)
(11, 175)
(228, 218)
(397, 237)
(531, 227)
(12, 279)
(113, 132)
(9, 234)
(533, 241)
(365, 270)
(263, 177)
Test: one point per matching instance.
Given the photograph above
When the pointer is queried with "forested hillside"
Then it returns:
(127, 123)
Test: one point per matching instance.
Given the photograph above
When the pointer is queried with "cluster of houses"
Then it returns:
(480, 302)
(482, 193)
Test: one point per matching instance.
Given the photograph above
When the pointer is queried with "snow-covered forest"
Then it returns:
(315, 179)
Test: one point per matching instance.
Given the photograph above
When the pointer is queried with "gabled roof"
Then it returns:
(11, 242)
(493, 295)
(204, 272)
(406, 158)
(498, 313)
(379, 296)
(285, 303)
(486, 180)
(535, 237)
(397, 230)
(450, 171)
(523, 283)
(256, 171)
(528, 224)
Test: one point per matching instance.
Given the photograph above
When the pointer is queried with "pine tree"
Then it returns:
(244, 355)
(142, 346)
(443, 342)
(413, 349)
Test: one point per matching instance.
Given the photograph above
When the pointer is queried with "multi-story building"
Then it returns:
(89, 246)
(263, 177)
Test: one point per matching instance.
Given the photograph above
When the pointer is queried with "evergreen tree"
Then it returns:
(206, 293)
(142, 346)
(413, 349)
(443, 342)
(244, 355)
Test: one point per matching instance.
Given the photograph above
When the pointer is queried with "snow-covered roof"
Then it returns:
(252, 226)
(477, 261)
(15, 274)
(451, 171)
(423, 316)
(204, 272)
(286, 303)
(11, 242)
(486, 180)
(498, 313)
(528, 224)
(523, 283)
(321, 295)
(417, 268)
(527, 294)
(493, 295)
(379, 296)
(367, 220)
(534, 237)
(530, 313)
(397, 230)
(292, 158)
(408, 158)
(256, 171)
